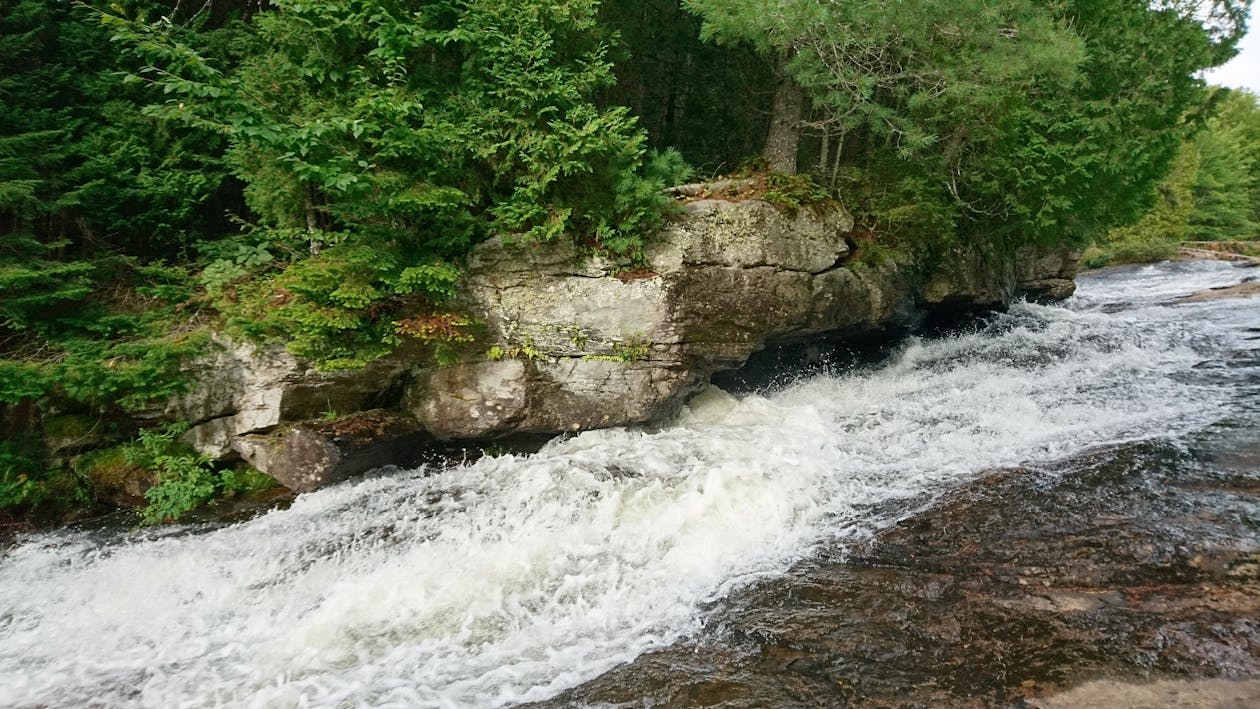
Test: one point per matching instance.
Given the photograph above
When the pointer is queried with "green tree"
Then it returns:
(1160, 231)
(1168, 222)
(430, 121)
(1227, 185)
(1080, 163)
(1010, 121)
(391, 135)
(91, 192)
(77, 160)
(909, 72)
(703, 99)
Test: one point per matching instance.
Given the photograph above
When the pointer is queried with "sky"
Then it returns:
(1243, 71)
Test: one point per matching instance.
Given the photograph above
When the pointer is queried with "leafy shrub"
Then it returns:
(185, 480)
(244, 481)
(185, 486)
(346, 306)
(27, 485)
(119, 344)
(20, 484)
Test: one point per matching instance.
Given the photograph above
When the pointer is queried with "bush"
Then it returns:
(28, 486)
(185, 480)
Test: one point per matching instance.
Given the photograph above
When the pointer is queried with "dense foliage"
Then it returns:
(93, 199)
(1002, 121)
(1212, 193)
(378, 140)
(1226, 188)
(316, 170)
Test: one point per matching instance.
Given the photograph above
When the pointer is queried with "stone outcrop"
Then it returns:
(972, 277)
(1046, 277)
(242, 388)
(584, 346)
(574, 341)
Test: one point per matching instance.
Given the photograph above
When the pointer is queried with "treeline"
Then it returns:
(314, 170)
(1212, 193)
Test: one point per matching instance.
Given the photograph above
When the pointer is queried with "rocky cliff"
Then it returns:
(573, 341)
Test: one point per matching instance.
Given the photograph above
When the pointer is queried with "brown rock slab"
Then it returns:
(1242, 290)
(1185, 694)
(1122, 578)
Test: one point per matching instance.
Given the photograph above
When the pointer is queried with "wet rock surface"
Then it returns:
(314, 454)
(1129, 576)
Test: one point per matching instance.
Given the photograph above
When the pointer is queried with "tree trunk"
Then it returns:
(824, 151)
(784, 138)
(312, 221)
(835, 165)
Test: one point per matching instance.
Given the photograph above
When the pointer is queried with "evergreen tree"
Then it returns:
(89, 188)
(1227, 185)
(1013, 120)
(383, 138)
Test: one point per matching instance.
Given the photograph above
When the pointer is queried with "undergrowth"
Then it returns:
(185, 480)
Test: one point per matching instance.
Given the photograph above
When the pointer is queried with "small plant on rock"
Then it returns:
(185, 480)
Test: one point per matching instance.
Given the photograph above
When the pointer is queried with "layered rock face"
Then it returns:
(575, 342)
(585, 346)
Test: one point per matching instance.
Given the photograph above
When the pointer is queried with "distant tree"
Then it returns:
(1227, 184)
(1175, 204)
(900, 71)
(706, 100)
(1086, 160)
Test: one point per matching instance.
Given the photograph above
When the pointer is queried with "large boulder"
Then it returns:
(489, 399)
(974, 277)
(969, 277)
(242, 388)
(1045, 276)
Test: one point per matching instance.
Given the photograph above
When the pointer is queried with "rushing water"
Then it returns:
(515, 578)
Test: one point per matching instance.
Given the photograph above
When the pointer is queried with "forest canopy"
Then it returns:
(316, 170)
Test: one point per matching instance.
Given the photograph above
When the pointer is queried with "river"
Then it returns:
(682, 566)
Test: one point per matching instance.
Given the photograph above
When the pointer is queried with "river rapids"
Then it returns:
(514, 579)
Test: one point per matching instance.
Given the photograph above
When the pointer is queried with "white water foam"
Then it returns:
(514, 578)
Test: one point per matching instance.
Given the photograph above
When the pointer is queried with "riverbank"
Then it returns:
(556, 339)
